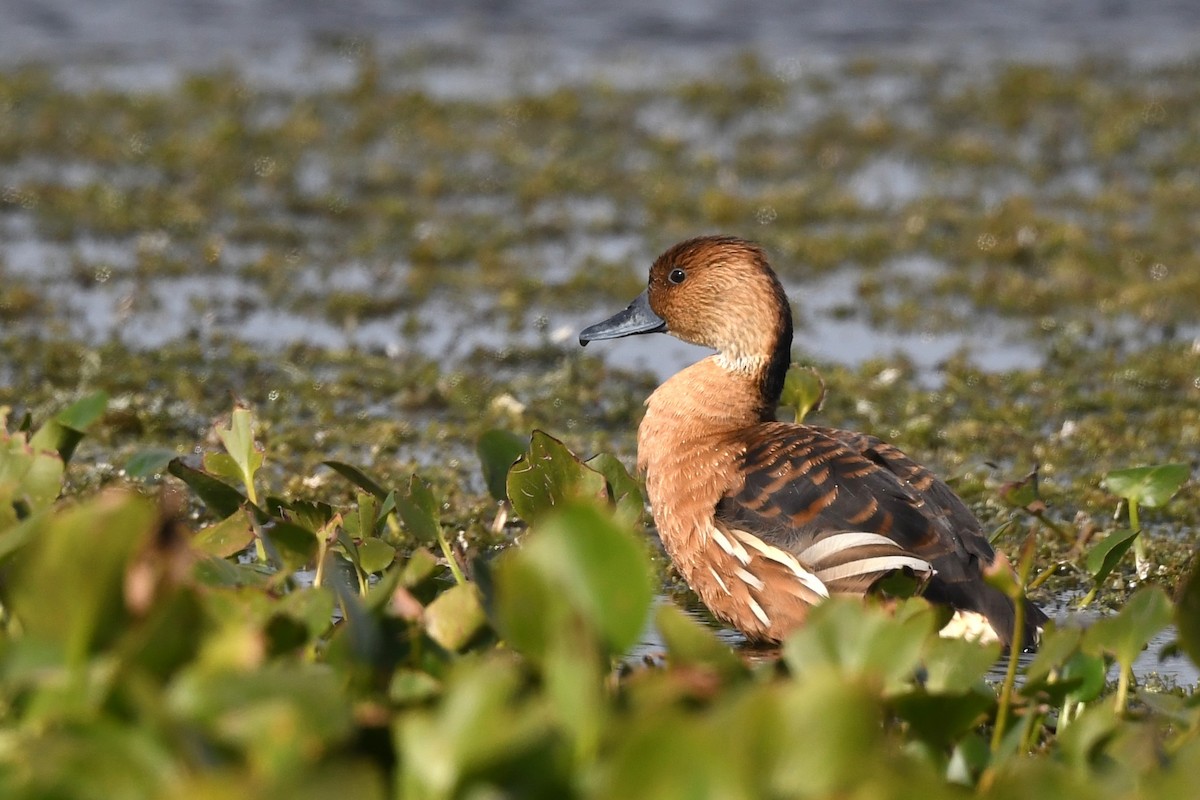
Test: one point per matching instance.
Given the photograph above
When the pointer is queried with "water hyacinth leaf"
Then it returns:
(227, 537)
(65, 431)
(419, 510)
(548, 476)
(623, 488)
(1151, 486)
(942, 718)
(1187, 615)
(694, 645)
(803, 391)
(455, 617)
(1125, 635)
(30, 480)
(291, 546)
(312, 606)
(222, 465)
(305, 513)
(221, 498)
(1054, 649)
(955, 666)
(238, 440)
(479, 728)
(498, 450)
(860, 639)
(149, 462)
(848, 713)
(357, 477)
(68, 586)
(1104, 556)
(360, 523)
(248, 709)
(420, 566)
(222, 573)
(1085, 675)
(375, 555)
(409, 686)
(1084, 741)
(578, 563)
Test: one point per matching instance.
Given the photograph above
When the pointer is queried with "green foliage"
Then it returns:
(160, 665)
(803, 391)
(32, 466)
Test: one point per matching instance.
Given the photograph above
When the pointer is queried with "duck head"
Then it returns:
(719, 292)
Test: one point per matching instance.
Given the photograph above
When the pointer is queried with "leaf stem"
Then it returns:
(459, 578)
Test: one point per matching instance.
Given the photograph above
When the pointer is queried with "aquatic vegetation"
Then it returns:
(344, 586)
(163, 662)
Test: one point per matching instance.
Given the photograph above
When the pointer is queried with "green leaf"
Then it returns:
(238, 440)
(290, 546)
(222, 465)
(954, 666)
(577, 567)
(64, 432)
(1151, 487)
(548, 476)
(221, 498)
(419, 510)
(455, 617)
(1187, 615)
(498, 451)
(67, 587)
(862, 640)
(228, 537)
(375, 555)
(623, 488)
(360, 522)
(694, 645)
(357, 477)
(803, 391)
(1127, 633)
(145, 463)
(1104, 556)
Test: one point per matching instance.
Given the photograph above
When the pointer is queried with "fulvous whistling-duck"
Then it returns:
(763, 518)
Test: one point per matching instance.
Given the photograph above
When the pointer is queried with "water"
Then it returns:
(1171, 670)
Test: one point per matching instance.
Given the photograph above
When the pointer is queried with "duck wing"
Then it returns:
(854, 509)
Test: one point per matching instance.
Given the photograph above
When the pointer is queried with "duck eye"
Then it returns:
(677, 275)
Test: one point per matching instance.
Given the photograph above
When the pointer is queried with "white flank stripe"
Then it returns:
(867, 565)
(785, 558)
(734, 549)
(758, 612)
(717, 578)
(818, 552)
(749, 577)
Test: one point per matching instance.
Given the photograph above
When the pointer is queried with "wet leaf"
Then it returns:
(375, 555)
(228, 537)
(290, 546)
(577, 565)
(145, 463)
(862, 640)
(357, 477)
(498, 450)
(1104, 556)
(623, 488)
(455, 617)
(1127, 633)
(419, 510)
(548, 476)
(221, 498)
(694, 645)
(239, 443)
(65, 431)
(1151, 487)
